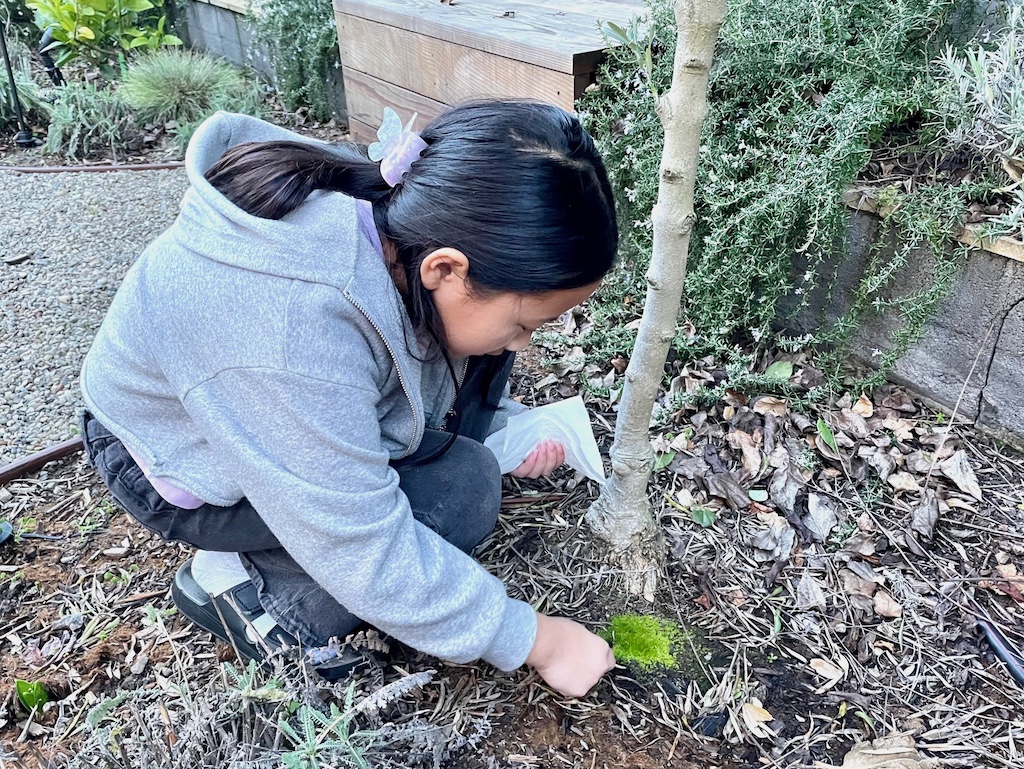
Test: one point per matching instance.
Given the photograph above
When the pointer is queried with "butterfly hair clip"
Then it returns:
(397, 147)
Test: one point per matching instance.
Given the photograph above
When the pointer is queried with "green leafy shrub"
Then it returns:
(984, 107)
(301, 39)
(183, 88)
(101, 31)
(86, 118)
(799, 95)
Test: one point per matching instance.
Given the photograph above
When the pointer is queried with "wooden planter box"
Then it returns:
(423, 55)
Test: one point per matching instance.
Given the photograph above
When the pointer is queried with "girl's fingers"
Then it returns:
(529, 465)
(542, 460)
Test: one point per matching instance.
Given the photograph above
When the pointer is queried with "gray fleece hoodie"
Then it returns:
(270, 359)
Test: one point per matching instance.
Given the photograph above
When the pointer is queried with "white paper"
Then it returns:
(566, 422)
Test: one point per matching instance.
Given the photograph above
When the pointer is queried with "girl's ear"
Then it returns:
(443, 265)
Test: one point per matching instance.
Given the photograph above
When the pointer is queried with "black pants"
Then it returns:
(457, 494)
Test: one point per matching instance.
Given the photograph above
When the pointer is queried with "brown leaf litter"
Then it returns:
(839, 607)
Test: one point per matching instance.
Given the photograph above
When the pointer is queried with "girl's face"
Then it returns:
(489, 324)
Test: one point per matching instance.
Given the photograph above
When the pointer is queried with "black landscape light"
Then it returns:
(24, 136)
(47, 58)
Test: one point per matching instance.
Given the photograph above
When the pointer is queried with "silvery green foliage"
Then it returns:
(984, 108)
(85, 118)
(28, 90)
(260, 716)
(800, 94)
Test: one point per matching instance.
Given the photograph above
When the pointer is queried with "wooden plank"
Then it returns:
(240, 7)
(972, 235)
(444, 71)
(367, 96)
(362, 133)
(563, 36)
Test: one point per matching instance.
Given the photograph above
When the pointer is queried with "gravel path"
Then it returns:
(81, 232)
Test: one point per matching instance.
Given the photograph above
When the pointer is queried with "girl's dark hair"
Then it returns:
(517, 186)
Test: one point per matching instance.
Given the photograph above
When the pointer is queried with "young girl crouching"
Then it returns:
(296, 377)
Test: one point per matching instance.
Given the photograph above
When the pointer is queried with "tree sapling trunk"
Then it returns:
(622, 514)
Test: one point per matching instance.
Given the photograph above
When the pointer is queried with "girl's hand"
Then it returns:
(569, 657)
(542, 460)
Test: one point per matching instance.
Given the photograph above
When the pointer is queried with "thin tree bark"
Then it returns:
(622, 514)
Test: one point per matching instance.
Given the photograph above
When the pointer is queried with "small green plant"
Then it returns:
(26, 525)
(86, 118)
(302, 40)
(101, 31)
(647, 642)
(31, 694)
(703, 516)
(183, 88)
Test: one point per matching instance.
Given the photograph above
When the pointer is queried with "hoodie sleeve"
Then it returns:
(307, 453)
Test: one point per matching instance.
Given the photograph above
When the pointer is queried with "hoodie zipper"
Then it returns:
(401, 378)
(451, 409)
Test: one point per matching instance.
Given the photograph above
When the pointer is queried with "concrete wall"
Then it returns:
(976, 336)
(222, 28)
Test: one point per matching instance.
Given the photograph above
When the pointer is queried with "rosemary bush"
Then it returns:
(799, 94)
(302, 41)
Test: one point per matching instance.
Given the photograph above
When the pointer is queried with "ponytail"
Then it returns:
(272, 179)
(517, 186)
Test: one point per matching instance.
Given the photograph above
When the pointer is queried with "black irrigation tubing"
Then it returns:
(94, 169)
(33, 462)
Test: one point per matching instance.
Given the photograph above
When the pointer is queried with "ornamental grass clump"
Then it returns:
(181, 88)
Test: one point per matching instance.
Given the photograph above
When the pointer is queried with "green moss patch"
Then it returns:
(646, 642)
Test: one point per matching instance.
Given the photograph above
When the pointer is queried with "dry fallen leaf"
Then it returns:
(849, 421)
(902, 481)
(896, 751)
(776, 542)
(899, 401)
(809, 594)
(883, 464)
(769, 404)
(887, 606)
(958, 470)
(747, 444)
(821, 516)
(919, 462)
(1005, 579)
(924, 517)
(827, 670)
(755, 717)
(864, 407)
(901, 428)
